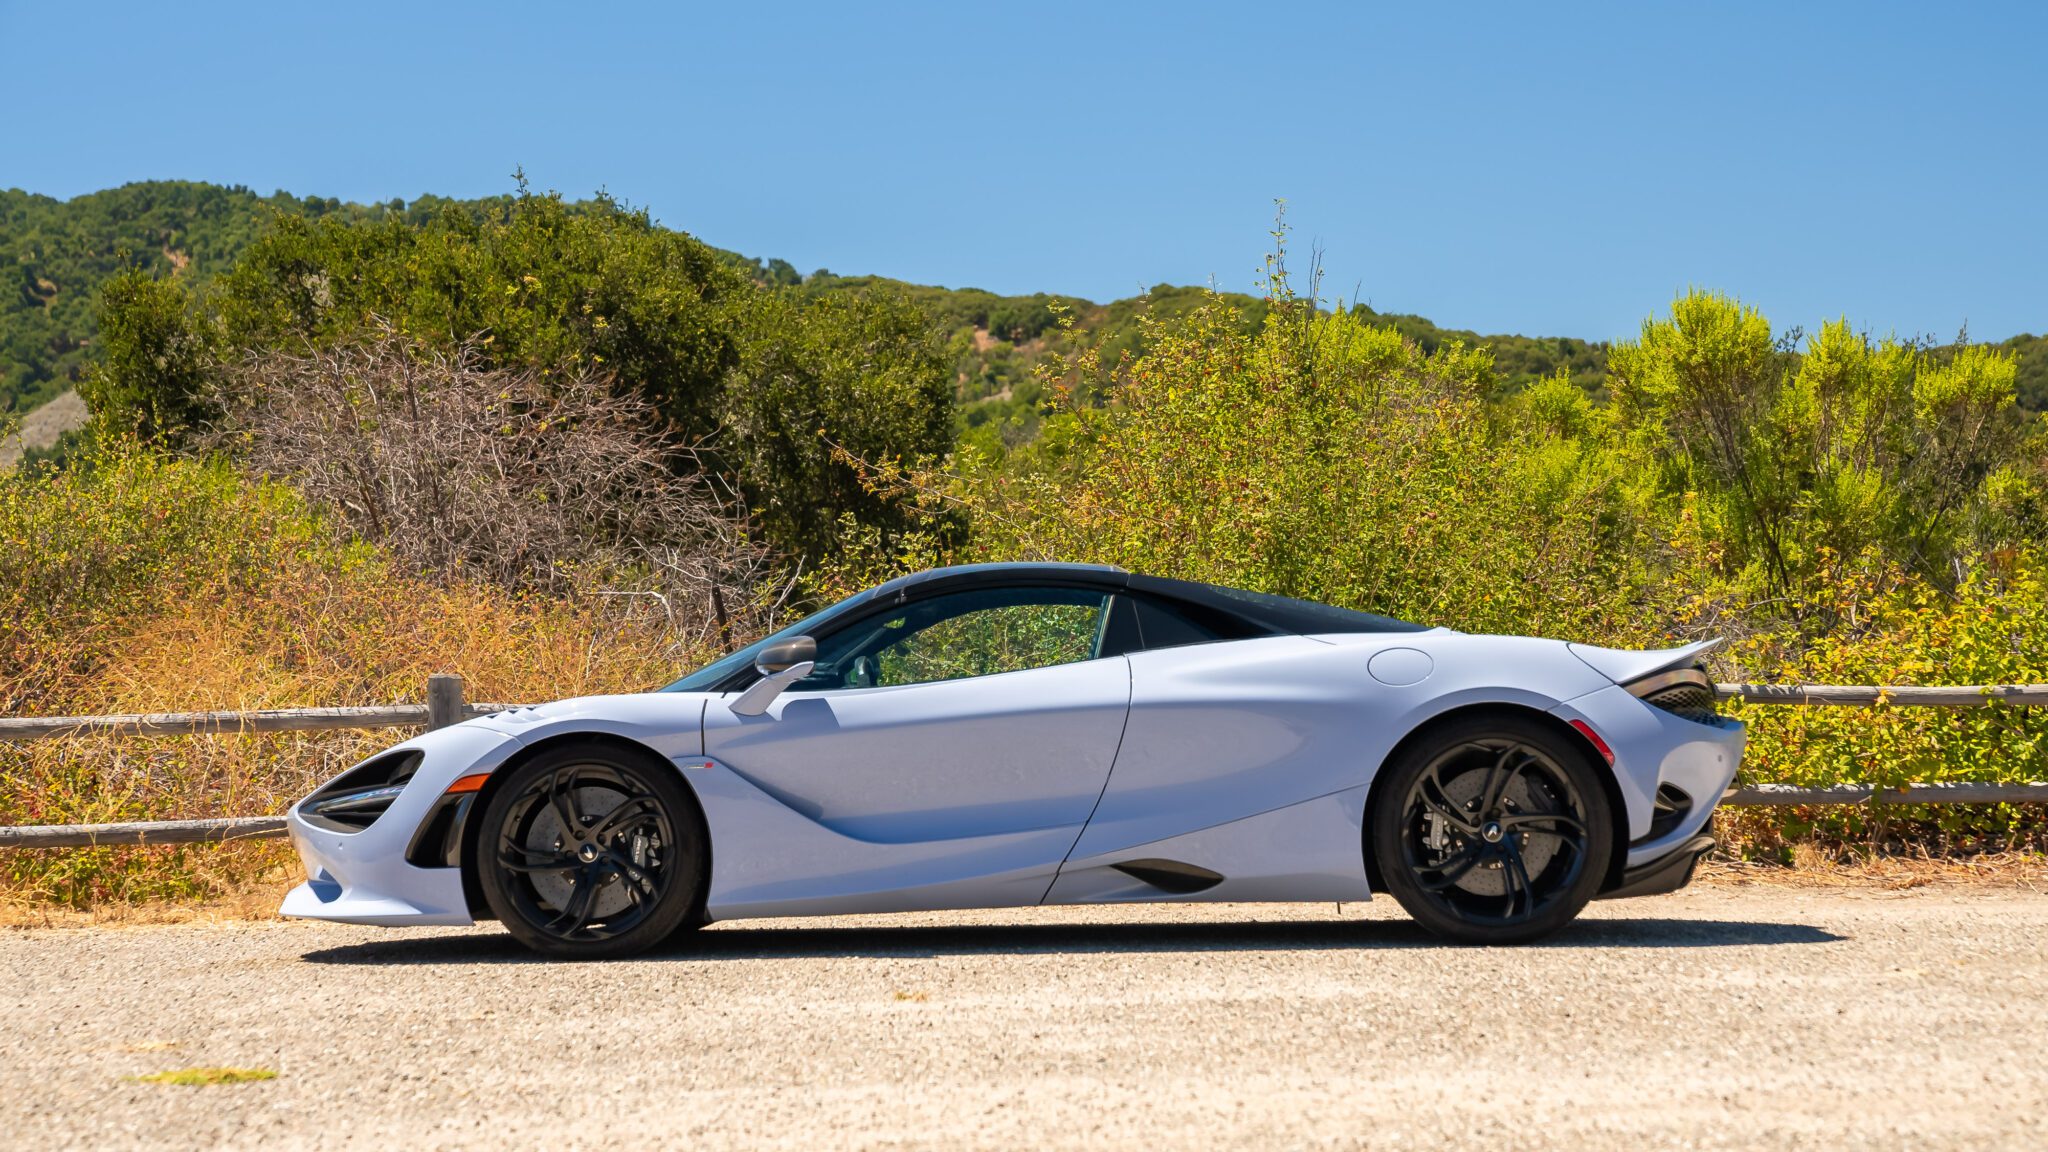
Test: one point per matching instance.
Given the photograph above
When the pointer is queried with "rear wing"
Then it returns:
(1622, 665)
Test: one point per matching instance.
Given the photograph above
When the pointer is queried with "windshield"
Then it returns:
(708, 677)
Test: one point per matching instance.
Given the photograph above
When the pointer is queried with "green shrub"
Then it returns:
(1324, 457)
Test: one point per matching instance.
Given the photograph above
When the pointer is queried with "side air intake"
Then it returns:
(1170, 875)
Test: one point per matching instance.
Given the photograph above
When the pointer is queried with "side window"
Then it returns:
(1141, 624)
(964, 634)
(1162, 627)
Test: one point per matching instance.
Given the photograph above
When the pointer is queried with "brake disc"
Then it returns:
(546, 834)
(1522, 795)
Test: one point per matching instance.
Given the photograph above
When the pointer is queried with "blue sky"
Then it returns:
(1517, 168)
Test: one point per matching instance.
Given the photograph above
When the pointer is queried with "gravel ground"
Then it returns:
(1735, 1017)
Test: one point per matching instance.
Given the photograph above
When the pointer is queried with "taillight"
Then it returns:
(1684, 692)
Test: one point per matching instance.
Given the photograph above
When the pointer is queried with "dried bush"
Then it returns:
(531, 479)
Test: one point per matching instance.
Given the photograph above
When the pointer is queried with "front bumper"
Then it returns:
(362, 877)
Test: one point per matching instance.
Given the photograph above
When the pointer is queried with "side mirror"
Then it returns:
(780, 664)
(782, 654)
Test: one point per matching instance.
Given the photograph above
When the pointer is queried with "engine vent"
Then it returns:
(1685, 692)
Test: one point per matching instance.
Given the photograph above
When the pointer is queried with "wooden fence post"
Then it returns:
(444, 700)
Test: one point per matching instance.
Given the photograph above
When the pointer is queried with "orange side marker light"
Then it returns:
(468, 784)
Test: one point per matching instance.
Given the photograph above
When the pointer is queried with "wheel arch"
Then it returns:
(472, 887)
(1602, 771)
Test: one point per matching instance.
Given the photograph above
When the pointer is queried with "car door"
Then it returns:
(944, 753)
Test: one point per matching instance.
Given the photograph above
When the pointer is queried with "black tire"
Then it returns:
(629, 841)
(1494, 830)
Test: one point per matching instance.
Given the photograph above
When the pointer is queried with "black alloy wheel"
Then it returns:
(1496, 832)
(585, 852)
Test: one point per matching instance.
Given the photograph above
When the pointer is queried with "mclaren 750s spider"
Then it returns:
(1009, 735)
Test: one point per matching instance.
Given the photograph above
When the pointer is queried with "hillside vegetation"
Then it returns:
(559, 449)
(62, 252)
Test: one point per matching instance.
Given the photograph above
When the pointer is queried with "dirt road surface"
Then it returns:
(1721, 1017)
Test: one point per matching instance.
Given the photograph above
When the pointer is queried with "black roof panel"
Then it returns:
(1261, 611)
(1282, 615)
(1008, 572)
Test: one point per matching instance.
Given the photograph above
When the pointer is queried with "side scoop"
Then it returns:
(1622, 665)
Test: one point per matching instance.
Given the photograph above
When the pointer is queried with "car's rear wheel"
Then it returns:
(1497, 830)
(587, 852)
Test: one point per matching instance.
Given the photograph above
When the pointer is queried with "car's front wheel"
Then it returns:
(587, 852)
(1495, 831)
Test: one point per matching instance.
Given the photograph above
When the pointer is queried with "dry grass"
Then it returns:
(312, 637)
(1816, 867)
(253, 902)
(207, 1077)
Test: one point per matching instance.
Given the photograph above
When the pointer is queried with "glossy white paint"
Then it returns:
(991, 777)
(1651, 747)
(953, 760)
(670, 723)
(1400, 667)
(1253, 759)
(1220, 731)
(1306, 851)
(755, 700)
(771, 860)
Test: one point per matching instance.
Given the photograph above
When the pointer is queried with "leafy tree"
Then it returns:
(539, 281)
(1319, 455)
(763, 383)
(153, 375)
(825, 386)
(1854, 447)
(61, 253)
(2030, 354)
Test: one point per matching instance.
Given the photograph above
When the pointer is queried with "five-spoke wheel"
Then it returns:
(587, 852)
(1497, 831)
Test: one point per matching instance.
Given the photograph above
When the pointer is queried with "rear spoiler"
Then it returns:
(1622, 665)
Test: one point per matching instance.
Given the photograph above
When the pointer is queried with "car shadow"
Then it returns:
(826, 942)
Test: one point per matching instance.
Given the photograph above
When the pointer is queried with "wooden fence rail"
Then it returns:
(445, 705)
(142, 832)
(1853, 695)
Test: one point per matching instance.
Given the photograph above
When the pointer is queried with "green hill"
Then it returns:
(60, 251)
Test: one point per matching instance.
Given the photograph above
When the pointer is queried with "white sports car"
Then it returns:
(1018, 734)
